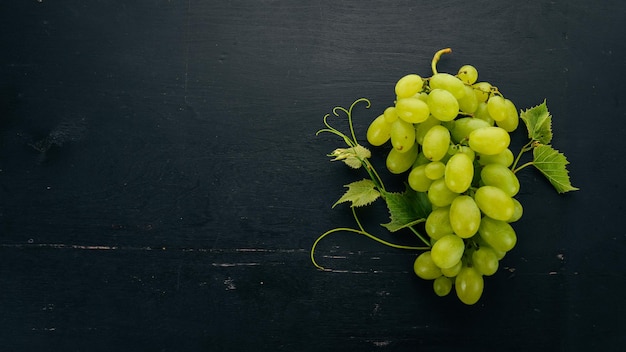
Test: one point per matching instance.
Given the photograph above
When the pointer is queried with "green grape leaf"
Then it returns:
(359, 193)
(406, 209)
(539, 123)
(351, 156)
(552, 165)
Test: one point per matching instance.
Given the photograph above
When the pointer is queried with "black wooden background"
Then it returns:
(161, 183)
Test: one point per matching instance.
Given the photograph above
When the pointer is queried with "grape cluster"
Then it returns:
(450, 134)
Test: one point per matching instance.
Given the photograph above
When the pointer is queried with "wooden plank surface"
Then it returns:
(161, 183)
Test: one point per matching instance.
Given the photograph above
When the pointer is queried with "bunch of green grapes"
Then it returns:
(450, 135)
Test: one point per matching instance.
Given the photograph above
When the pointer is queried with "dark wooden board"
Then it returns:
(161, 183)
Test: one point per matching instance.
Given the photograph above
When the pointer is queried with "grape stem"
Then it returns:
(419, 235)
(523, 166)
(528, 147)
(433, 64)
(373, 175)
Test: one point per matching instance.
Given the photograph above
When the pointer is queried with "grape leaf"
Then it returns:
(552, 165)
(406, 208)
(359, 193)
(351, 156)
(539, 123)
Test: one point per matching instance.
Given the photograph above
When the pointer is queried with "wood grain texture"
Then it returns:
(182, 185)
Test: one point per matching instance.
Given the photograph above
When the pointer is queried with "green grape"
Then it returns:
(497, 108)
(447, 251)
(467, 151)
(499, 254)
(452, 148)
(459, 173)
(445, 158)
(464, 126)
(398, 163)
(504, 158)
(448, 83)
(468, 74)
(468, 104)
(511, 121)
(436, 142)
(422, 128)
(435, 170)
(408, 86)
(418, 180)
(402, 135)
(425, 268)
(454, 270)
(412, 109)
(423, 96)
(494, 202)
(519, 211)
(489, 140)
(442, 104)
(500, 176)
(439, 194)
(482, 90)
(499, 235)
(438, 223)
(464, 216)
(442, 286)
(485, 261)
(379, 131)
(391, 114)
(448, 124)
(483, 114)
(432, 242)
(483, 244)
(469, 285)
(420, 160)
